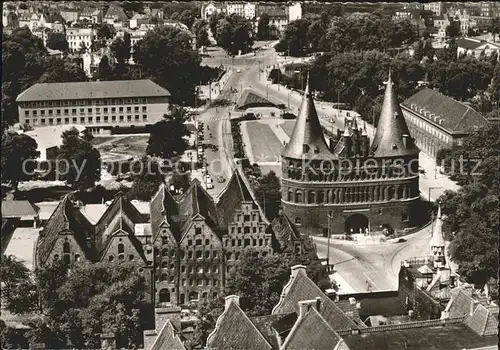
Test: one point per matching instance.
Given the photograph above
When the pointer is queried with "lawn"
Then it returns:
(122, 147)
(266, 147)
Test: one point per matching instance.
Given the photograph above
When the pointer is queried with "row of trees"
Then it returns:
(76, 305)
(472, 215)
(233, 33)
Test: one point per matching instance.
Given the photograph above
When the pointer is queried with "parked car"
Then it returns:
(221, 179)
(238, 71)
(214, 148)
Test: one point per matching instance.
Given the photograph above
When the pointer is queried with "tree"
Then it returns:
(82, 166)
(147, 179)
(61, 71)
(234, 34)
(294, 41)
(187, 17)
(18, 287)
(200, 31)
(121, 49)
(92, 299)
(453, 29)
(17, 151)
(214, 20)
(263, 27)
(268, 193)
(495, 27)
(57, 41)
(167, 57)
(167, 136)
(105, 70)
(82, 49)
(105, 31)
(495, 86)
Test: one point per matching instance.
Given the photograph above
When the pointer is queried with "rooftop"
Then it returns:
(92, 90)
(18, 209)
(453, 336)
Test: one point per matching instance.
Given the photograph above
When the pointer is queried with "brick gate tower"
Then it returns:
(358, 185)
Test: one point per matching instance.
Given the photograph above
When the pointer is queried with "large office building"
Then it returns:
(438, 121)
(102, 106)
(349, 185)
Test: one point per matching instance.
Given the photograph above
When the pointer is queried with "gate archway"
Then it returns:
(356, 223)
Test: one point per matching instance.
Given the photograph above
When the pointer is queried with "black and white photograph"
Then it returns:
(245, 175)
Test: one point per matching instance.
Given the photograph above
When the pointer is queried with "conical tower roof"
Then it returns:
(307, 137)
(437, 239)
(388, 140)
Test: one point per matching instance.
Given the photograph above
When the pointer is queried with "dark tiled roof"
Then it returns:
(312, 331)
(388, 306)
(307, 131)
(235, 331)
(453, 336)
(284, 230)
(303, 288)
(196, 200)
(116, 12)
(161, 204)
(234, 194)
(455, 116)
(267, 325)
(469, 44)
(351, 311)
(169, 338)
(16, 209)
(388, 139)
(461, 304)
(64, 219)
(92, 90)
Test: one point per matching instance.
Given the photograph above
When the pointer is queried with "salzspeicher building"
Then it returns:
(357, 183)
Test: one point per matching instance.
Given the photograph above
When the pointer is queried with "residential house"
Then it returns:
(23, 212)
(116, 16)
(80, 37)
(278, 17)
(209, 8)
(70, 15)
(466, 21)
(91, 14)
(440, 24)
(138, 20)
(487, 8)
(154, 12)
(437, 121)
(249, 10)
(69, 236)
(237, 8)
(436, 7)
(294, 12)
(476, 48)
(10, 19)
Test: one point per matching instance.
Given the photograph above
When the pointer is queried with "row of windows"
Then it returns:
(237, 255)
(425, 126)
(246, 229)
(88, 120)
(246, 217)
(81, 111)
(85, 102)
(191, 281)
(247, 242)
(199, 269)
(164, 296)
(199, 254)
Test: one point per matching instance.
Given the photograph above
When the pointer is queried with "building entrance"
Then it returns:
(356, 223)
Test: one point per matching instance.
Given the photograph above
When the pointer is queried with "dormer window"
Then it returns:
(395, 115)
(394, 147)
(316, 150)
(305, 148)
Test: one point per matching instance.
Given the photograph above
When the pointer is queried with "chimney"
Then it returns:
(231, 298)
(108, 341)
(406, 140)
(149, 338)
(306, 305)
(318, 304)
(172, 313)
(297, 269)
(473, 306)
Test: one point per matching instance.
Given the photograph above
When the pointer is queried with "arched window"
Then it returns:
(298, 197)
(321, 197)
(312, 197)
(290, 195)
(56, 257)
(67, 259)
(131, 257)
(66, 247)
(164, 277)
(121, 248)
(111, 258)
(164, 296)
(164, 252)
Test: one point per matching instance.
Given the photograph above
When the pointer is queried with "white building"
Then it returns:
(249, 10)
(436, 7)
(137, 20)
(474, 47)
(209, 8)
(101, 106)
(77, 37)
(294, 12)
(237, 8)
(440, 23)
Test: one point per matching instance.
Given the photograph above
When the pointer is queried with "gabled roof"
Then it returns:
(455, 116)
(388, 139)
(235, 331)
(169, 338)
(284, 230)
(351, 310)
(116, 12)
(483, 321)
(301, 288)
(161, 203)
(234, 194)
(64, 219)
(270, 324)
(312, 331)
(460, 303)
(469, 44)
(307, 137)
(437, 239)
(16, 209)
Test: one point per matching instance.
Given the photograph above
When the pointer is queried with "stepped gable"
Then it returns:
(389, 140)
(299, 288)
(161, 205)
(65, 219)
(307, 138)
(236, 192)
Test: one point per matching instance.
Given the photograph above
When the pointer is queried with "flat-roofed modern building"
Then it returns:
(103, 106)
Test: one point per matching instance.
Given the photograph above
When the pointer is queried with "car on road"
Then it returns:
(238, 71)
(221, 179)
(210, 186)
(214, 148)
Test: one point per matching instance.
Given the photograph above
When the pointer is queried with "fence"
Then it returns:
(409, 325)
